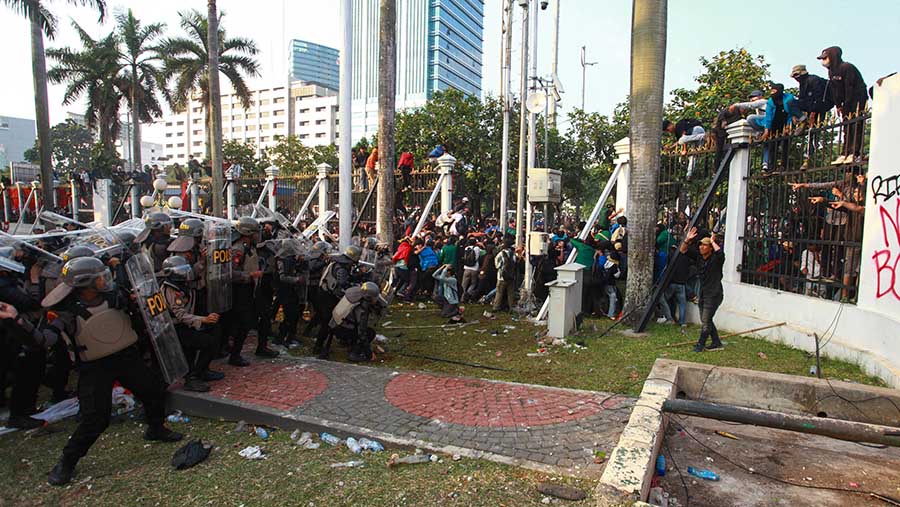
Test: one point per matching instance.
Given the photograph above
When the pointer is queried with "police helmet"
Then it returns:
(320, 248)
(247, 226)
(353, 253)
(191, 228)
(370, 290)
(8, 260)
(76, 252)
(177, 268)
(85, 271)
(158, 220)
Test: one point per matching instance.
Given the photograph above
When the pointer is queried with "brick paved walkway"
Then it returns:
(556, 430)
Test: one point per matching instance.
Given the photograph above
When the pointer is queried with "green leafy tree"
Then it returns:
(72, 145)
(103, 159)
(326, 153)
(727, 77)
(244, 153)
(291, 156)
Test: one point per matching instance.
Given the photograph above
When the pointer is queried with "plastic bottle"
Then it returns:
(330, 439)
(348, 464)
(262, 433)
(370, 445)
(178, 417)
(703, 474)
(661, 465)
(354, 446)
(409, 460)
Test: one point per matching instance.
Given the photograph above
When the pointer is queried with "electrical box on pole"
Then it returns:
(544, 185)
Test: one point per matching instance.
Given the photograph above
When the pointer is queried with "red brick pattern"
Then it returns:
(473, 402)
(278, 385)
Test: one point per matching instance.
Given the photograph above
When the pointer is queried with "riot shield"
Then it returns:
(317, 224)
(51, 263)
(155, 311)
(99, 239)
(218, 266)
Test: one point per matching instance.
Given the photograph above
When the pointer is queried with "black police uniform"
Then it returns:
(290, 276)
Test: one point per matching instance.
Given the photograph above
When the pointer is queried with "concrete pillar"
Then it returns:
(6, 208)
(322, 171)
(19, 195)
(135, 200)
(736, 214)
(445, 166)
(103, 206)
(231, 198)
(271, 185)
(74, 189)
(623, 157)
(55, 193)
(194, 192)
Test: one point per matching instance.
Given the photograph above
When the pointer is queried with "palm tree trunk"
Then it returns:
(648, 63)
(136, 162)
(215, 108)
(41, 108)
(387, 83)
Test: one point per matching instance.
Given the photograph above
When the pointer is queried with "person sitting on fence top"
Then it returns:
(848, 90)
(754, 108)
(781, 109)
(687, 130)
(814, 98)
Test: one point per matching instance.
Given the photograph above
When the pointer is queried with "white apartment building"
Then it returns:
(305, 110)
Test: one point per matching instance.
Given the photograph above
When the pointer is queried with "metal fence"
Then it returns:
(799, 237)
(685, 173)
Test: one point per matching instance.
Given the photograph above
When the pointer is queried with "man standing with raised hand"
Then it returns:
(711, 258)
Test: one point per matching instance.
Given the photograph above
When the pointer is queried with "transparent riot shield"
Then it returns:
(50, 263)
(217, 236)
(155, 311)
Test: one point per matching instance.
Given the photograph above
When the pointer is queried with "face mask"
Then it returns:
(825, 62)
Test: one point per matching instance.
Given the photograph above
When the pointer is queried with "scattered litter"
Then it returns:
(353, 445)
(661, 465)
(191, 454)
(388, 323)
(261, 433)
(507, 326)
(488, 315)
(499, 353)
(457, 457)
(558, 342)
(348, 464)
(380, 338)
(253, 452)
(407, 315)
(481, 331)
(480, 344)
(658, 497)
(545, 500)
(178, 417)
(854, 484)
(710, 459)
(304, 440)
(703, 474)
(727, 435)
(59, 411)
(241, 426)
(762, 355)
(561, 491)
(599, 457)
(415, 459)
(422, 306)
(370, 445)
(330, 439)
(539, 353)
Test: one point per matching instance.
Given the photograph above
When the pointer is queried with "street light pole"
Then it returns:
(523, 140)
(584, 66)
(504, 96)
(345, 177)
(555, 61)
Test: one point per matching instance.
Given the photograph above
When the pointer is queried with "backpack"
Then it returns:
(470, 258)
(462, 226)
(509, 266)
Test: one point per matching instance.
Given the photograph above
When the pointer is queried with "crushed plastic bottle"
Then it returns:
(178, 417)
(241, 426)
(703, 474)
(262, 433)
(661, 465)
(370, 445)
(330, 439)
(415, 459)
(354, 446)
(348, 464)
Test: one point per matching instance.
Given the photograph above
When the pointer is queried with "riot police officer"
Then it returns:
(291, 275)
(336, 279)
(316, 263)
(156, 236)
(89, 307)
(245, 274)
(193, 329)
(352, 320)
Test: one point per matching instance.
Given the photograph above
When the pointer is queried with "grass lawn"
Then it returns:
(122, 470)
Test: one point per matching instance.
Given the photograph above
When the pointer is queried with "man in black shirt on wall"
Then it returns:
(711, 260)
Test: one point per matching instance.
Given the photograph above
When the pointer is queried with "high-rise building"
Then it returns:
(439, 46)
(308, 111)
(314, 63)
(17, 135)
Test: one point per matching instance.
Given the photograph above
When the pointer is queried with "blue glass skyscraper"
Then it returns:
(314, 63)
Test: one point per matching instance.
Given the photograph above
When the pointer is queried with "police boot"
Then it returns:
(161, 434)
(24, 422)
(358, 353)
(196, 384)
(62, 472)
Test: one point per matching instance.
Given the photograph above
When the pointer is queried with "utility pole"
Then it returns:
(555, 61)
(523, 89)
(345, 167)
(532, 140)
(215, 107)
(584, 66)
(505, 97)
(387, 91)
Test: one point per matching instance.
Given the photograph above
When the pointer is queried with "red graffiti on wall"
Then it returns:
(887, 259)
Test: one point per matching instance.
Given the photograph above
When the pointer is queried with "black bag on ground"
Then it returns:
(190, 454)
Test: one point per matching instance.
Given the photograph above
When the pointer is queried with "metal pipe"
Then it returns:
(554, 61)
(505, 97)
(19, 195)
(345, 168)
(532, 141)
(365, 204)
(259, 200)
(850, 431)
(5, 204)
(194, 190)
(586, 230)
(22, 213)
(520, 186)
(308, 200)
(427, 209)
(74, 187)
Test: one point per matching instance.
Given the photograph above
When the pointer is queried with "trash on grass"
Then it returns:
(261, 433)
(330, 439)
(370, 445)
(703, 474)
(190, 454)
(241, 427)
(253, 452)
(762, 355)
(414, 459)
(658, 497)
(348, 464)
(380, 338)
(727, 435)
(561, 491)
(178, 417)
(353, 445)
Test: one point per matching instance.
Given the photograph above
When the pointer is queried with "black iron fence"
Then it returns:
(805, 211)
(685, 174)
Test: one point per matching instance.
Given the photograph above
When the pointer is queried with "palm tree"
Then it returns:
(215, 105)
(186, 64)
(648, 63)
(92, 72)
(44, 23)
(137, 61)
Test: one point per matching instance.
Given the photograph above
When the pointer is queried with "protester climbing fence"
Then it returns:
(684, 177)
(800, 236)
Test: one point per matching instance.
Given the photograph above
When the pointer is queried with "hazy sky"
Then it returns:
(787, 32)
